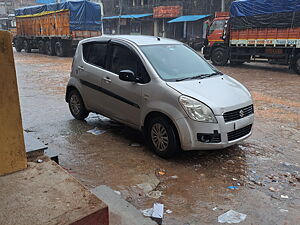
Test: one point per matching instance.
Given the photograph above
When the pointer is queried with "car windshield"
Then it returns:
(177, 62)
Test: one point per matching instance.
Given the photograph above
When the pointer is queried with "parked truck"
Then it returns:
(256, 29)
(56, 29)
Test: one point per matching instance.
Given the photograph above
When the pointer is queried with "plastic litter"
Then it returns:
(40, 161)
(234, 179)
(154, 194)
(168, 211)
(233, 187)
(117, 192)
(232, 216)
(96, 131)
(215, 208)
(135, 145)
(283, 210)
(156, 212)
(284, 196)
(147, 212)
(161, 172)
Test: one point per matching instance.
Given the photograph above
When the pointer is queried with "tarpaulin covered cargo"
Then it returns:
(84, 15)
(265, 14)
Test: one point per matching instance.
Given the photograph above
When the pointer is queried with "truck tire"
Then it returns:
(18, 45)
(27, 46)
(49, 48)
(59, 49)
(42, 47)
(219, 57)
(296, 64)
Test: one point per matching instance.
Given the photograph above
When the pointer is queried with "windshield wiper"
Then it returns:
(201, 76)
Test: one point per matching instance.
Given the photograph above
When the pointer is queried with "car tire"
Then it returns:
(76, 105)
(162, 137)
(27, 46)
(296, 64)
(219, 57)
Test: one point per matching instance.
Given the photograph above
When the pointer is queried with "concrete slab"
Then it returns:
(34, 148)
(121, 212)
(44, 193)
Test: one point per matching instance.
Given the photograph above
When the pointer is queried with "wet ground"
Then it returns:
(194, 186)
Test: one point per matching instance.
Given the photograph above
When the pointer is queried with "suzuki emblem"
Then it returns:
(241, 113)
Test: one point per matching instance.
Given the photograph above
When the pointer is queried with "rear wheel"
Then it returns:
(59, 49)
(296, 64)
(219, 57)
(27, 46)
(76, 105)
(18, 45)
(162, 137)
(42, 47)
(49, 48)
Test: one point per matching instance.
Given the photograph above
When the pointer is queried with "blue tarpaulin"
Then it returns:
(134, 16)
(260, 7)
(45, 1)
(84, 15)
(188, 18)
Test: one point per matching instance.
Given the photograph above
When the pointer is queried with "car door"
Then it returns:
(124, 99)
(93, 70)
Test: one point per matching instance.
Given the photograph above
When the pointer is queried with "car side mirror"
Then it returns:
(127, 75)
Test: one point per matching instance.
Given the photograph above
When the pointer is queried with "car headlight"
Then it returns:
(197, 110)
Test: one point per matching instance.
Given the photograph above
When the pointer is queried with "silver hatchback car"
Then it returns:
(161, 87)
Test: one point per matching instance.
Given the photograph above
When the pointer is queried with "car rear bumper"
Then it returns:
(195, 135)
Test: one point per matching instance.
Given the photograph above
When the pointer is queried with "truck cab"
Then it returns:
(215, 38)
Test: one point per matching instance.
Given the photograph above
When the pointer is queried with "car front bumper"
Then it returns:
(229, 133)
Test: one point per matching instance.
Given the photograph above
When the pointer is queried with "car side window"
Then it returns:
(95, 53)
(122, 58)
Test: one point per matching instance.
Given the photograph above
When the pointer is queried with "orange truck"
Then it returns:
(256, 29)
(56, 29)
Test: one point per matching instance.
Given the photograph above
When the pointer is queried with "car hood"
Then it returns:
(220, 93)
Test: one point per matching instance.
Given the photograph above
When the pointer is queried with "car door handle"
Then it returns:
(107, 80)
(80, 68)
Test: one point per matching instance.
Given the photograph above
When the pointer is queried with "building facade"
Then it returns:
(132, 17)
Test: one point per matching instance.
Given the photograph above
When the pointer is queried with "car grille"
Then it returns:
(236, 134)
(238, 114)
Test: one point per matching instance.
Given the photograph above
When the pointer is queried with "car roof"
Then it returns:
(140, 40)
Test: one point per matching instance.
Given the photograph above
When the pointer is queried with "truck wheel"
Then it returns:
(219, 57)
(59, 49)
(27, 46)
(42, 47)
(296, 64)
(76, 105)
(18, 45)
(162, 138)
(49, 48)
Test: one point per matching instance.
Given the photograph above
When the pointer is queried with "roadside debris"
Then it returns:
(155, 194)
(284, 196)
(283, 210)
(40, 161)
(273, 189)
(96, 131)
(156, 213)
(168, 211)
(135, 145)
(161, 172)
(233, 187)
(232, 216)
(174, 177)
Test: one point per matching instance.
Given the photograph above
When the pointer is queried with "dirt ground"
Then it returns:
(194, 185)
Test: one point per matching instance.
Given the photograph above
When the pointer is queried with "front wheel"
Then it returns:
(76, 105)
(296, 64)
(219, 57)
(162, 137)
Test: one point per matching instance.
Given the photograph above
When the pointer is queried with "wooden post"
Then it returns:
(12, 148)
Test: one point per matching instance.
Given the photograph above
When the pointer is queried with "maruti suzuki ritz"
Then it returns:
(161, 87)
